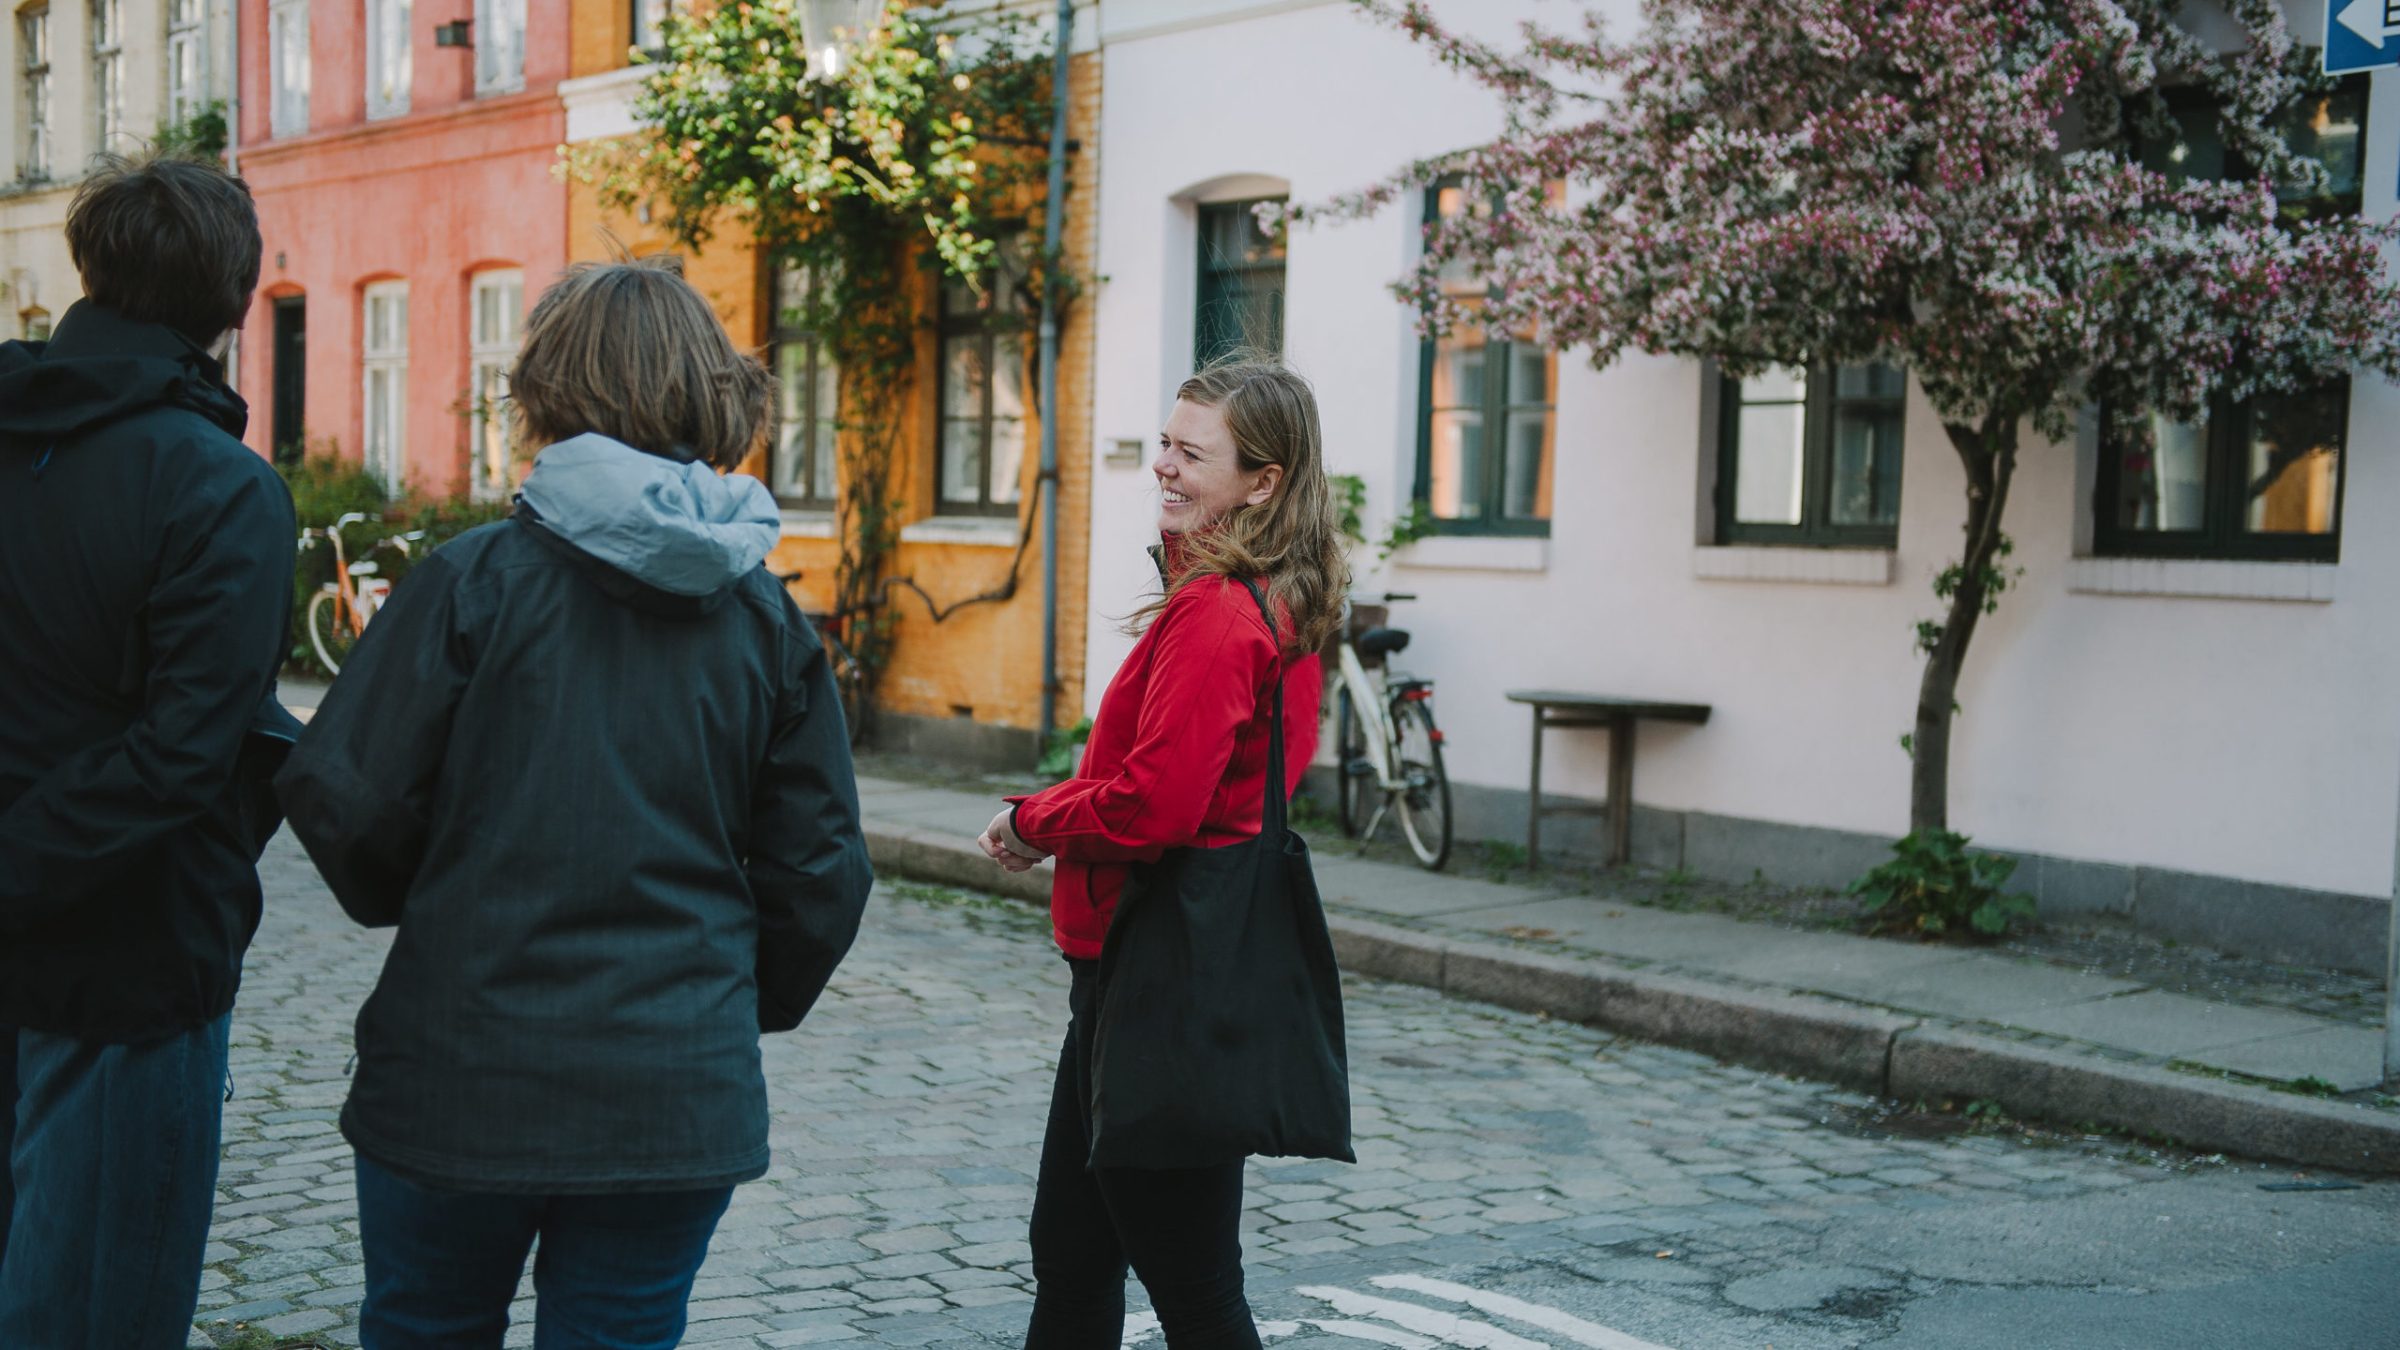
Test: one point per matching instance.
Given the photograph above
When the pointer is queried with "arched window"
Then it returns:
(33, 92)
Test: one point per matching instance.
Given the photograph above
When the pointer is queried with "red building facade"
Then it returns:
(402, 153)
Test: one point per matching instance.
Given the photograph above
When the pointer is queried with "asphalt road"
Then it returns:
(1521, 1183)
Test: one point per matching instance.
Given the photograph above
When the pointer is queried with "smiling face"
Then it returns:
(1200, 475)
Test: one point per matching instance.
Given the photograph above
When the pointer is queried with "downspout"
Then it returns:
(1053, 228)
(233, 165)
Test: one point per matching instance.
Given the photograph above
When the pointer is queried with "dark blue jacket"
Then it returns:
(145, 593)
(615, 825)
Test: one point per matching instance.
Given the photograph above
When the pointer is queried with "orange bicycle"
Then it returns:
(339, 611)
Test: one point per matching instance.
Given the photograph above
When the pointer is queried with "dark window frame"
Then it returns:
(1219, 282)
(2224, 536)
(983, 325)
(1816, 529)
(1495, 408)
(780, 331)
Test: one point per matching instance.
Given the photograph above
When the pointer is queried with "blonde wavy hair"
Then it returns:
(1291, 540)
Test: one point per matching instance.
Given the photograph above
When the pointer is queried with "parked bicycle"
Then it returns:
(339, 611)
(849, 677)
(1389, 746)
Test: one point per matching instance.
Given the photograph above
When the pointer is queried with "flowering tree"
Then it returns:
(1955, 186)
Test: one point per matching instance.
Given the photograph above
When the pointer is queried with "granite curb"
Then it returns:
(1889, 1054)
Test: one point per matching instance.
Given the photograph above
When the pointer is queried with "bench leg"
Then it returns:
(1533, 807)
(1620, 791)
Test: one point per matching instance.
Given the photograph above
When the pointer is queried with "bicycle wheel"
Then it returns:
(330, 631)
(1352, 788)
(1424, 800)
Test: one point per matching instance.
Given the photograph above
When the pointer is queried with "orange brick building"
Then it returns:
(969, 686)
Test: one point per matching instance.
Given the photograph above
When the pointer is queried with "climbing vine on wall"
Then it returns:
(928, 143)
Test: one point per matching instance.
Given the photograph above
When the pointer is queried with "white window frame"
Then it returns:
(33, 79)
(499, 46)
(389, 60)
(104, 24)
(288, 61)
(493, 331)
(187, 58)
(649, 20)
(383, 361)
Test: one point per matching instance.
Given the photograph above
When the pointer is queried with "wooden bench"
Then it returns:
(1553, 708)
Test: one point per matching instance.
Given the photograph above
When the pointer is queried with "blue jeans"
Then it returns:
(614, 1271)
(112, 1170)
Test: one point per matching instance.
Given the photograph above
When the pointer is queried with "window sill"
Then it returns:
(971, 531)
(2200, 579)
(1781, 562)
(1476, 553)
(807, 524)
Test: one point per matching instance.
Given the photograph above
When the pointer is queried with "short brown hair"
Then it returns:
(168, 240)
(631, 351)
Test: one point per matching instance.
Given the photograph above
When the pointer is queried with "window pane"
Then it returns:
(1525, 477)
(2162, 473)
(1872, 380)
(1770, 428)
(1531, 368)
(1456, 487)
(1008, 417)
(2197, 151)
(2327, 128)
(2294, 462)
(1866, 466)
(788, 475)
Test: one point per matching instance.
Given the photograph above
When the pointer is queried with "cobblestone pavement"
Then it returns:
(907, 1114)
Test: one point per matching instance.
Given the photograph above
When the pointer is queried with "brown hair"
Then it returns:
(631, 351)
(1291, 540)
(166, 240)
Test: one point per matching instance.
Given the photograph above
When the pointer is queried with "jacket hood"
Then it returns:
(675, 526)
(100, 366)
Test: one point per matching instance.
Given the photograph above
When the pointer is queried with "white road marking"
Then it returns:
(1369, 1331)
(1449, 1328)
(1518, 1310)
(1139, 1327)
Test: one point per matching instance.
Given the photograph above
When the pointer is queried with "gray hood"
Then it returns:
(682, 528)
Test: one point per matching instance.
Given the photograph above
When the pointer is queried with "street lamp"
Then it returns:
(833, 29)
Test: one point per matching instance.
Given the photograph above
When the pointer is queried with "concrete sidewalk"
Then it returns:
(1903, 1020)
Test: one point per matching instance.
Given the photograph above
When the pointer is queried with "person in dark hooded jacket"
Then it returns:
(591, 761)
(145, 588)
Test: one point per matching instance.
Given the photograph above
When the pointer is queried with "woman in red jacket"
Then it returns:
(1178, 759)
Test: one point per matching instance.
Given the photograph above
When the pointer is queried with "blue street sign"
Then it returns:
(2361, 35)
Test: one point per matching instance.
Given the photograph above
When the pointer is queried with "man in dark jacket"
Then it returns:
(145, 588)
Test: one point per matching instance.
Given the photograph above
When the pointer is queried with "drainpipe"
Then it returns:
(2391, 983)
(1053, 228)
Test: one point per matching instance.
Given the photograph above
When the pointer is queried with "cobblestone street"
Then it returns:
(1496, 1150)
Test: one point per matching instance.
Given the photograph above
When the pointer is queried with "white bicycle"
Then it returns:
(1389, 747)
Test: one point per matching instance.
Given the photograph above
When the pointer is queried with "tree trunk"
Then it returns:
(1989, 453)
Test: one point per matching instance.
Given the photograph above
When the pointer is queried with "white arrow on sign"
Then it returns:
(2372, 20)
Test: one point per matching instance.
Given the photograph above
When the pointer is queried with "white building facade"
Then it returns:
(2207, 744)
(84, 77)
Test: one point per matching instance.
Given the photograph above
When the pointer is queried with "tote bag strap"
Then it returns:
(1274, 820)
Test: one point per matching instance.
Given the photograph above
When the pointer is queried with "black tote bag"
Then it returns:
(1219, 1026)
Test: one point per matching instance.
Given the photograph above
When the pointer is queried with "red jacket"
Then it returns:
(1178, 754)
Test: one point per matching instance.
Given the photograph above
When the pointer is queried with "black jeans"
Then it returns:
(1178, 1228)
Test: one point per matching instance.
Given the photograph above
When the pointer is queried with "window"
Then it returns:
(388, 70)
(801, 466)
(187, 59)
(495, 322)
(287, 48)
(1241, 283)
(983, 390)
(1486, 421)
(108, 72)
(34, 324)
(649, 23)
(1811, 456)
(499, 46)
(384, 360)
(33, 69)
(2261, 479)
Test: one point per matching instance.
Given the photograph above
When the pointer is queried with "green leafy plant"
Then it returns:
(1935, 884)
(1060, 753)
(1415, 521)
(201, 135)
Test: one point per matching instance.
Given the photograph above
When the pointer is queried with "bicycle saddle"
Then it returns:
(1381, 642)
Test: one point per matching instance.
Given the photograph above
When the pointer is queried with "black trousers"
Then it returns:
(1179, 1229)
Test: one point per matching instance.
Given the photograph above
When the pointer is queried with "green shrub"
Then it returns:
(1934, 884)
(325, 487)
(1058, 757)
